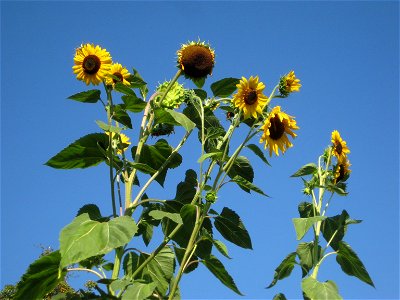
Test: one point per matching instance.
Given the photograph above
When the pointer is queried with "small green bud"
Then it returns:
(211, 196)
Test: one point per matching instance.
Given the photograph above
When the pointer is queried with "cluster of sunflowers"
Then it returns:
(195, 60)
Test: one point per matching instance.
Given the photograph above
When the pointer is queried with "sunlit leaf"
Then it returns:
(306, 170)
(224, 87)
(320, 290)
(247, 185)
(91, 96)
(302, 225)
(284, 269)
(139, 291)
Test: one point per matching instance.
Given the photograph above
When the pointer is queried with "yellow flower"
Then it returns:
(92, 64)
(342, 171)
(120, 72)
(275, 130)
(340, 149)
(119, 141)
(249, 97)
(196, 59)
(288, 84)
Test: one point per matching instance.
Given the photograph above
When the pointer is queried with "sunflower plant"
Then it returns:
(327, 178)
(105, 244)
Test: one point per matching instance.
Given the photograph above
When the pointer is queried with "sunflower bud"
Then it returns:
(288, 84)
(174, 97)
(211, 197)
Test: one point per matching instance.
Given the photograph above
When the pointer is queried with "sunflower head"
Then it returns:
(119, 141)
(275, 130)
(117, 73)
(288, 84)
(196, 59)
(175, 96)
(342, 171)
(91, 64)
(250, 98)
(339, 147)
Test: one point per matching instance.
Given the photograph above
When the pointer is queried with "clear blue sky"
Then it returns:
(346, 55)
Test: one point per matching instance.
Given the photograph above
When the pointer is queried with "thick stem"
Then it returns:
(86, 270)
(110, 151)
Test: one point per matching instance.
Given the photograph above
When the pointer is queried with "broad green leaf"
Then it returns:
(279, 296)
(224, 87)
(40, 278)
(257, 151)
(219, 271)
(320, 290)
(221, 247)
(107, 127)
(199, 82)
(284, 269)
(200, 93)
(136, 80)
(231, 227)
(158, 215)
(133, 103)
(82, 153)
(306, 210)
(181, 119)
(143, 168)
(336, 189)
(216, 155)
(214, 132)
(121, 116)
(351, 264)
(120, 284)
(193, 262)
(306, 170)
(139, 291)
(247, 185)
(302, 225)
(122, 88)
(155, 156)
(243, 168)
(305, 252)
(186, 189)
(91, 96)
(84, 237)
(92, 210)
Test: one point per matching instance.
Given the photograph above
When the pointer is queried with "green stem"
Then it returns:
(316, 268)
(119, 252)
(110, 152)
(85, 270)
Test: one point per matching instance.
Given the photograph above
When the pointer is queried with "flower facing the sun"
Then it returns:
(196, 59)
(92, 63)
(118, 74)
(119, 141)
(250, 98)
(340, 148)
(288, 84)
(276, 129)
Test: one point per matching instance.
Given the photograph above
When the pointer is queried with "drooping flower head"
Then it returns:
(119, 141)
(275, 130)
(196, 59)
(92, 63)
(250, 98)
(120, 72)
(340, 148)
(175, 96)
(288, 84)
(342, 171)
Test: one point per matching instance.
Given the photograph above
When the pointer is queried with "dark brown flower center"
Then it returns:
(91, 64)
(197, 61)
(250, 97)
(277, 128)
(119, 76)
(339, 148)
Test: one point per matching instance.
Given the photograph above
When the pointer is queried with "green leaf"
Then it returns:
(169, 116)
(186, 189)
(121, 116)
(199, 82)
(122, 88)
(92, 210)
(217, 156)
(200, 93)
(159, 215)
(91, 96)
(247, 185)
(305, 252)
(40, 278)
(84, 238)
(224, 87)
(306, 210)
(279, 296)
(83, 153)
(136, 80)
(107, 127)
(139, 291)
(351, 264)
(302, 225)
(133, 103)
(306, 170)
(143, 168)
(284, 269)
(257, 151)
(219, 271)
(243, 168)
(320, 290)
(221, 247)
(154, 157)
(193, 262)
(229, 224)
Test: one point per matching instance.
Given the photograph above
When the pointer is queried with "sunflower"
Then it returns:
(92, 64)
(275, 130)
(249, 97)
(117, 70)
(342, 171)
(340, 149)
(119, 141)
(288, 84)
(196, 59)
